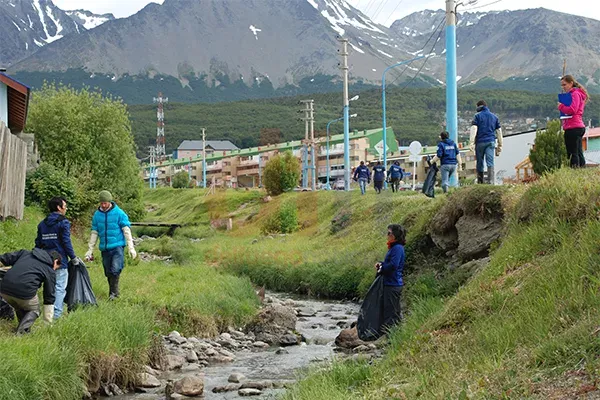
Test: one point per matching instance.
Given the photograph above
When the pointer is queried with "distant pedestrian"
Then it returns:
(574, 126)
(449, 157)
(391, 270)
(30, 270)
(378, 176)
(112, 226)
(395, 175)
(363, 176)
(54, 233)
(485, 130)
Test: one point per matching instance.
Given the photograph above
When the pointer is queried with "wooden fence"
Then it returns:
(13, 167)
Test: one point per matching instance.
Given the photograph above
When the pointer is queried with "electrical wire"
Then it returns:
(380, 9)
(425, 62)
(483, 5)
(392, 13)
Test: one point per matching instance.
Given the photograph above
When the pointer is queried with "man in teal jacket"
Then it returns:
(112, 226)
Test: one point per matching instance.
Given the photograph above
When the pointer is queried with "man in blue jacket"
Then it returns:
(363, 175)
(378, 176)
(112, 226)
(449, 157)
(485, 130)
(395, 175)
(54, 233)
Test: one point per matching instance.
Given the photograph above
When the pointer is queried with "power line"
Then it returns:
(381, 8)
(425, 62)
(483, 5)
(392, 13)
(366, 10)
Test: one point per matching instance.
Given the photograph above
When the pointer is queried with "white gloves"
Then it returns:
(472, 137)
(48, 313)
(129, 240)
(91, 244)
(500, 140)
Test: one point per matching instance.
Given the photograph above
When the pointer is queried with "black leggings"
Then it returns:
(573, 143)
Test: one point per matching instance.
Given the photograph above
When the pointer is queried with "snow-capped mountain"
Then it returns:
(88, 19)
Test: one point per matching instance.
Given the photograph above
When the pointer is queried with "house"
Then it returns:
(193, 148)
(14, 104)
(524, 171)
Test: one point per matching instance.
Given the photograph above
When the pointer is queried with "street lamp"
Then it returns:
(347, 143)
(383, 105)
(328, 187)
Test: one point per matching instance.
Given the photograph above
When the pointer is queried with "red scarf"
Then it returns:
(390, 243)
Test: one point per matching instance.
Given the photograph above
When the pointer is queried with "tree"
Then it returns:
(88, 136)
(270, 136)
(181, 180)
(549, 152)
(282, 173)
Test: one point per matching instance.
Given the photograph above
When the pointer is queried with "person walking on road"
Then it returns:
(391, 270)
(485, 130)
(395, 175)
(112, 226)
(30, 270)
(449, 157)
(54, 233)
(363, 175)
(573, 125)
(378, 176)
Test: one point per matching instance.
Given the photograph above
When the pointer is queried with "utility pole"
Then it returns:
(204, 158)
(152, 180)
(344, 68)
(308, 128)
(160, 126)
(312, 146)
(451, 90)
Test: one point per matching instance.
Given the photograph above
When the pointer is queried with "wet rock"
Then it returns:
(151, 371)
(306, 312)
(220, 359)
(147, 380)
(289, 340)
(343, 324)
(281, 350)
(211, 352)
(319, 341)
(237, 335)
(191, 356)
(339, 318)
(348, 339)
(283, 384)
(272, 322)
(190, 368)
(316, 326)
(249, 392)
(227, 388)
(175, 337)
(236, 377)
(174, 362)
(260, 344)
(189, 386)
(260, 385)
(187, 346)
(226, 353)
(115, 390)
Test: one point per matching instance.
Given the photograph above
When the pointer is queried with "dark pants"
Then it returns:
(113, 261)
(392, 311)
(573, 143)
(378, 186)
(395, 184)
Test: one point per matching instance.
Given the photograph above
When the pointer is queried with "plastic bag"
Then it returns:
(79, 287)
(370, 318)
(429, 184)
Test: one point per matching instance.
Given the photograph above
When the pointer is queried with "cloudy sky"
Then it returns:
(382, 11)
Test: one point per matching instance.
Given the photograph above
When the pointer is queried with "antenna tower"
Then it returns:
(160, 126)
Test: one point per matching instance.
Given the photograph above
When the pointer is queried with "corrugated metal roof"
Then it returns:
(213, 144)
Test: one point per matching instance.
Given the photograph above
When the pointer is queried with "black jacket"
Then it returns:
(29, 270)
(54, 233)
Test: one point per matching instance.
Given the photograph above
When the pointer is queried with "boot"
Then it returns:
(491, 177)
(27, 322)
(113, 287)
(479, 177)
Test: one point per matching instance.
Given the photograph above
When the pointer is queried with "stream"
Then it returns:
(268, 368)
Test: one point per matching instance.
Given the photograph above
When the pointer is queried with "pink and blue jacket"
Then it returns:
(575, 110)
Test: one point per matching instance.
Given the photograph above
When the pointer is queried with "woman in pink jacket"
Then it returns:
(574, 127)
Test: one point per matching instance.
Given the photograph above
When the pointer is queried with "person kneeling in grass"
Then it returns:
(30, 269)
(391, 270)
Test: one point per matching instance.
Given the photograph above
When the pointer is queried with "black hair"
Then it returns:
(444, 135)
(399, 233)
(55, 256)
(56, 202)
(481, 103)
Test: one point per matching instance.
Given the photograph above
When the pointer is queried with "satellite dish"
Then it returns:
(415, 148)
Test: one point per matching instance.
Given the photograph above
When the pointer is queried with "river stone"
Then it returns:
(220, 359)
(236, 377)
(348, 339)
(174, 362)
(232, 387)
(260, 385)
(147, 381)
(151, 371)
(237, 334)
(190, 385)
(260, 344)
(191, 356)
(289, 340)
(226, 353)
(211, 352)
(306, 312)
(249, 392)
(115, 390)
(361, 349)
(225, 336)
(281, 350)
(273, 321)
(203, 346)
(175, 337)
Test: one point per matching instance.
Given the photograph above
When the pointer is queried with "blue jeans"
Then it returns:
(484, 150)
(113, 261)
(62, 277)
(362, 182)
(447, 171)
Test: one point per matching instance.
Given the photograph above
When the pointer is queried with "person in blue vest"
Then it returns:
(112, 226)
(378, 176)
(449, 157)
(395, 175)
(391, 269)
(485, 130)
(363, 175)
(54, 233)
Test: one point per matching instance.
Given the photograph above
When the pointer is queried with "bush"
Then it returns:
(181, 180)
(285, 220)
(282, 173)
(549, 152)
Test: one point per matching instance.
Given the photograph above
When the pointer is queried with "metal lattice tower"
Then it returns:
(152, 177)
(160, 126)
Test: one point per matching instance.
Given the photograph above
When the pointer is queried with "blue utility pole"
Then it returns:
(384, 111)
(204, 158)
(451, 90)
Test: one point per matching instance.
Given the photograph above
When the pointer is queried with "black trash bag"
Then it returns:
(6, 311)
(429, 184)
(370, 317)
(79, 287)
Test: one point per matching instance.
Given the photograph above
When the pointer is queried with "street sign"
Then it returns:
(415, 148)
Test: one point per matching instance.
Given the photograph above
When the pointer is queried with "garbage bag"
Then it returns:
(429, 184)
(370, 317)
(6, 311)
(79, 287)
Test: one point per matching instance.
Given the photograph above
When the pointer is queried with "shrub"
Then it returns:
(549, 152)
(282, 173)
(181, 180)
(285, 220)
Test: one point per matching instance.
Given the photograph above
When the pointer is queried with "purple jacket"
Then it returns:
(575, 109)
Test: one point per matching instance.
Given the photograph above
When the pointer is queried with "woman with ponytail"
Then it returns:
(574, 127)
